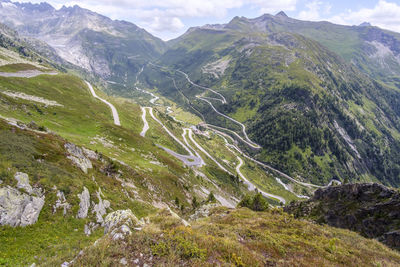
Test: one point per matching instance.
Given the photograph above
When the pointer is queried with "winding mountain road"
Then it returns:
(153, 100)
(113, 109)
(247, 141)
(206, 153)
(222, 100)
(185, 130)
(145, 123)
(252, 187)
(189, 160)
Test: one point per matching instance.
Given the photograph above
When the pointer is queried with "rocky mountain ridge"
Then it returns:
(108, 48)
(370, 209)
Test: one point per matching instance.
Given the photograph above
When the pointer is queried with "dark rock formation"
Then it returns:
(371, 209)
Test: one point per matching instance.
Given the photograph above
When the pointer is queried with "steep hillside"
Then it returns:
(113, 50)
(316, 116)
(238, 238)
(57, 139)
(369, 209)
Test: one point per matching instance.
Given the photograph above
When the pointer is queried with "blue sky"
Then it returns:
(168, 19)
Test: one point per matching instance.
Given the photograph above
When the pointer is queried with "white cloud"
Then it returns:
(273, 6)
(315, 10)
(384, 14)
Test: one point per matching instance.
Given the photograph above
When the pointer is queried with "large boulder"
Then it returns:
(17, 208)
(203, 211)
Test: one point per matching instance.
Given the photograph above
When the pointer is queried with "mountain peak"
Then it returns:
(281, 14)
(365, 24)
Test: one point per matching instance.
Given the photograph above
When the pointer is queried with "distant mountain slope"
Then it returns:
(15, 49)
(375, 51)
(315, 114)
(113, 50)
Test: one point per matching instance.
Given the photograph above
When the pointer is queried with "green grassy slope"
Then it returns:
(241, 238)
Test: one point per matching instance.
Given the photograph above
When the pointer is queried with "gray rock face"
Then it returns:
(392, 239)
(90, 153)
(100, 208)
(118, 217)
(61, 202)
(119, 223)
(19, 209)
(78, 157)
(84, 204)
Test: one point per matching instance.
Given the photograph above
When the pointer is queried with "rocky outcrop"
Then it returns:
(17, 208)
(203, 211)
(20, 206)
(78, 157)
(61, 202)
(84, 204)
(371, 209)
(100, 209)
(119, 223)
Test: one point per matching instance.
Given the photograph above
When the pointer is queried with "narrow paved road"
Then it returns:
(222, 134)
(169, 132)
(145, 123)
(222, 98)
(191, 159)
(113, 109)
(206, 153)
(252, 187)
(153, 100)
(273, 169)
(185, 130)
(247, 141)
